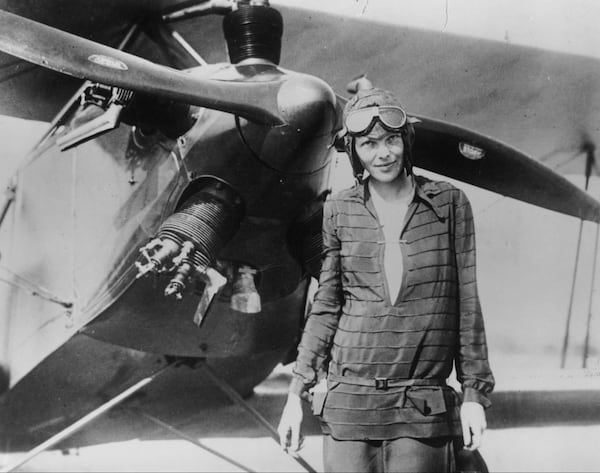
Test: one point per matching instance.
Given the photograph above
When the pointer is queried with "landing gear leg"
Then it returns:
(85, 420)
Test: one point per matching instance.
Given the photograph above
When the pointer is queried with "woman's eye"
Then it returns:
(367, 144)
(394, 140)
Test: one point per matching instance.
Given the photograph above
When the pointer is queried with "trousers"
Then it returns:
(389, 456)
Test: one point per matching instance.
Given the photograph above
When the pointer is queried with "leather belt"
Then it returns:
(385, 383)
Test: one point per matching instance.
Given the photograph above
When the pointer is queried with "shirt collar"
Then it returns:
(425, 190)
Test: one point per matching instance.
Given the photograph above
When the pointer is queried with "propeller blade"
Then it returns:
(483, 162)
(85, 59)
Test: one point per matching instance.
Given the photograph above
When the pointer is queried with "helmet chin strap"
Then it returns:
(407, 164)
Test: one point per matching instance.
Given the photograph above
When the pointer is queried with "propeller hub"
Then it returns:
(307, 104)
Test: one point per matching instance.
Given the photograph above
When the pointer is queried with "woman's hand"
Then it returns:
(472, 419)
(290, 425)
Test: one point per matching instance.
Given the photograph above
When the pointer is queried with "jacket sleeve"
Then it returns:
(472, 366)
(323, 318)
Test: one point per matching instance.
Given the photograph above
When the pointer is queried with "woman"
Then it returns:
(397, 307)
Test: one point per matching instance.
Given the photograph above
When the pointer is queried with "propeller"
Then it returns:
(75, 56)
(487, 163)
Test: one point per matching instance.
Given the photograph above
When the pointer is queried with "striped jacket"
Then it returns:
(388, 357)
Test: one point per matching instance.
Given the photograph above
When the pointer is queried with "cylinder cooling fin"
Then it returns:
(209, 219)
(188, 242)
(253, 31)
(305, 236)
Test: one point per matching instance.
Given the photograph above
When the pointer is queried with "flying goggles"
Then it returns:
(360, 122)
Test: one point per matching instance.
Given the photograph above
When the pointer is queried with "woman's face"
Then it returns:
(381, 153)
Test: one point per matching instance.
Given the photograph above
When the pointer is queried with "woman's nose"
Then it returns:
(383, 150)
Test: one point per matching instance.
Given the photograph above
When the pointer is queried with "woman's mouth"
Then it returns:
(386, 166)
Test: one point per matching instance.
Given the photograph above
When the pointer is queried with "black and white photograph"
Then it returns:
(299, 236)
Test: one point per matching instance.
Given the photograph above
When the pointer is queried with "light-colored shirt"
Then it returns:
(391, 217)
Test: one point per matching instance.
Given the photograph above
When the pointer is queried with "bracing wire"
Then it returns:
(34, 289)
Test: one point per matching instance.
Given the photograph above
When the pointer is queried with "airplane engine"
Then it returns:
(188, 241)
(305, 237)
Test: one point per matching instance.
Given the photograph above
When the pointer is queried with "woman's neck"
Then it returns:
(399, 190)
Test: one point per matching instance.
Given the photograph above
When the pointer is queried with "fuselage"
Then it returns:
(82, 215)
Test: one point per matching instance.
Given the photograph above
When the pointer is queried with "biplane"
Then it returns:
(171, 210)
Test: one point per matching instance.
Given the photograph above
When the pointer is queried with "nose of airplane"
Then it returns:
(307, 103)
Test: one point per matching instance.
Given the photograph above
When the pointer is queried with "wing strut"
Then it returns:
(86, 419)
(590, 161)
(236, 398)
(586, 343)
(190, 439)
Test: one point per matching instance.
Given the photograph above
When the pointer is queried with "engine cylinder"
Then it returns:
(208, 219)
(306, 239)
(253, 31)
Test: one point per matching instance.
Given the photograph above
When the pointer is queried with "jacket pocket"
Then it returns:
(318, 402)
(429, 402)
(319, 396)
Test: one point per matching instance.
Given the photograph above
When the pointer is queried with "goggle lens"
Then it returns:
(360, 121)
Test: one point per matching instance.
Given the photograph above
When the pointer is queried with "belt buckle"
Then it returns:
(381, 384)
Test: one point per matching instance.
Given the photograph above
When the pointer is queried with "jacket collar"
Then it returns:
(425, 191)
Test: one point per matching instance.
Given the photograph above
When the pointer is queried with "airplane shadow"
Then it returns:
(189, 402)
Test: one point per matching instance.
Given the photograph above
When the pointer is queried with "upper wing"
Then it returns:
(461, 62)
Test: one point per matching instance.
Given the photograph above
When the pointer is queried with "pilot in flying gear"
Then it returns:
(397, 307)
